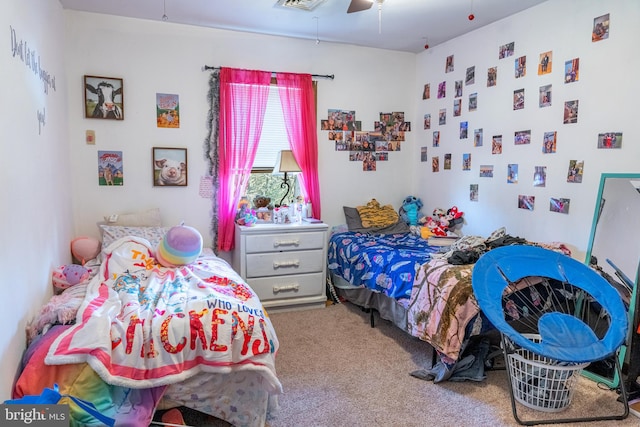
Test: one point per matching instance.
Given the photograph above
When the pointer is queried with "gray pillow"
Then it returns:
(351, 215)
(354, 223)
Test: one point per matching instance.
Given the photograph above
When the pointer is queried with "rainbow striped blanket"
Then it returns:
(142, 325)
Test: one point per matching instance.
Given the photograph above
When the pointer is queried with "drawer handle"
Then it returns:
(294, 242)
(295, 287)
(295, 263)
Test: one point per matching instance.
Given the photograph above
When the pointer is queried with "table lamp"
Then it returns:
(285, 162)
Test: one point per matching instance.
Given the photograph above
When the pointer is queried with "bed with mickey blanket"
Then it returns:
(137, 337)
(424, 290)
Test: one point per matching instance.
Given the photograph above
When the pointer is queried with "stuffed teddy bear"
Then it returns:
(410, 210)
(261, 202)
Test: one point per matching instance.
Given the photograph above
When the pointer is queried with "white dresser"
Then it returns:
(285, 264)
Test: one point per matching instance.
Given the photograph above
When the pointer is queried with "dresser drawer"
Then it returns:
(285, 241)
(283, 287)
(284, 263)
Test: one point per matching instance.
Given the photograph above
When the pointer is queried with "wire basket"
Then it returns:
(539, 382)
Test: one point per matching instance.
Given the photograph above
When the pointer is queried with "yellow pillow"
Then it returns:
(374, 215)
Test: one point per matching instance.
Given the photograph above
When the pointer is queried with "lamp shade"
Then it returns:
(285, 162)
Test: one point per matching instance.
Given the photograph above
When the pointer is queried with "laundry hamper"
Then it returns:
(555, 315)
(539, 382)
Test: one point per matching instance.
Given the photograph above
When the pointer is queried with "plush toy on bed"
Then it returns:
(181, 245)
(68, 275)
(410, 210)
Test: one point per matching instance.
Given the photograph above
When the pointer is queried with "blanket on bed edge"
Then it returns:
(142, 325)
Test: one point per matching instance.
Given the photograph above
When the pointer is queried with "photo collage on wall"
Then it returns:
(367, 146)
(548, 140)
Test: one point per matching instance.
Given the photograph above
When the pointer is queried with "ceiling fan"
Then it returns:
(361, 5)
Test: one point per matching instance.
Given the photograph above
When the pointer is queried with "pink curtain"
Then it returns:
(298, 107)
(243, 102)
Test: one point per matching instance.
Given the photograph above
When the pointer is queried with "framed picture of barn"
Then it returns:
(169, 167)
(103, 98)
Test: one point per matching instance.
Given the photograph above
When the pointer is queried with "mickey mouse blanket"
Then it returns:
(143, 325)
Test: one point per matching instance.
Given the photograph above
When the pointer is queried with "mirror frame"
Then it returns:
(615, 381)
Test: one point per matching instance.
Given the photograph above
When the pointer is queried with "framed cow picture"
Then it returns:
(169, 167)
(103, 98)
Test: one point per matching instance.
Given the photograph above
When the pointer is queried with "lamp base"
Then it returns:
(285, 184)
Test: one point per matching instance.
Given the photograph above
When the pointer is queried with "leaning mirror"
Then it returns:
(614, 250)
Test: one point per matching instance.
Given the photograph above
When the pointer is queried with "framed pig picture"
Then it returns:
(169, 167)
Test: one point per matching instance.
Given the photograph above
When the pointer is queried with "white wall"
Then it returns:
(168, 58)
(606, 92)
(49, 174)
(35, 201)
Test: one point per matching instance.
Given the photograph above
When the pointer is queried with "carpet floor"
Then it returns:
(338, 371)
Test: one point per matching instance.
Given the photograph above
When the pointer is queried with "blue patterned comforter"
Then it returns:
(384, 263)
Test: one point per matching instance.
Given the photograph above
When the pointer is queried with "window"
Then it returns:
(273, 139)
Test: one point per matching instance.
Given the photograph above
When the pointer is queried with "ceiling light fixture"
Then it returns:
(471, 15)
(165, 18)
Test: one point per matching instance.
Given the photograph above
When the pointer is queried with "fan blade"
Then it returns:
(359, 5)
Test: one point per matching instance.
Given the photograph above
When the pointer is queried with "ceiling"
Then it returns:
(405, 25)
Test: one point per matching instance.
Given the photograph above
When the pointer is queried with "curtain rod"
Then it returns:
(319, 76)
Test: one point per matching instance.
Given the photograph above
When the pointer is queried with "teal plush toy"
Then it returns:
(410, 210)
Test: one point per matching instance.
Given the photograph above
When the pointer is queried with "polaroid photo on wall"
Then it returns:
(559, 205)
(512, 173)
(521, 67)
(572, 70)
(477, 137)
(486, 171)
(496, 144)
(447, 161)
(466, 161)
(570, 112)
(545, 96)
(492, 76)
(518, 99)
(576, 168)
(470, 76)
(426, 92)
(540, 176)
(610, 140)
(600, 28)
(526, 202)
(473, 101)
(506, 50)
(473, 192)
(545, 63)
(522, 137)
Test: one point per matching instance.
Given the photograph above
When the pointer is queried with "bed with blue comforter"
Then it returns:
(384, 263)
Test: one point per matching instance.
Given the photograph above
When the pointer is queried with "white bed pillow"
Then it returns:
(111, 233)
(148, 218)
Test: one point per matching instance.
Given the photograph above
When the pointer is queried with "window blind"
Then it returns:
(274, 133)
